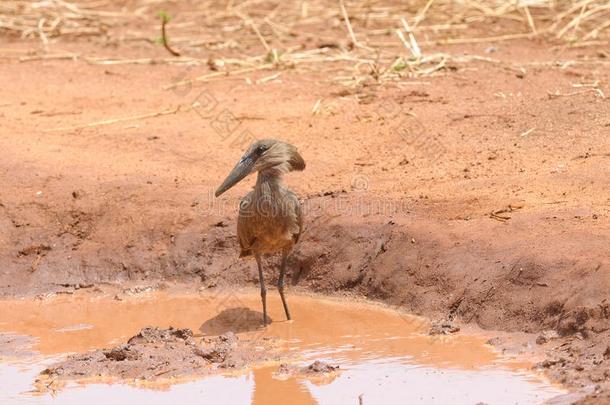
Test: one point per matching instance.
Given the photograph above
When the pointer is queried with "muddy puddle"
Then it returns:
(383, 357)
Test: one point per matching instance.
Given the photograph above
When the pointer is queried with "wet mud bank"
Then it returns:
(519, 275)
(156, 353)
(339, 349)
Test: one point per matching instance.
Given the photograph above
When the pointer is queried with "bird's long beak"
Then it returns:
(241, 170)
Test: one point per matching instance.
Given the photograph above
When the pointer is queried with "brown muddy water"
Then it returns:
(385, 357)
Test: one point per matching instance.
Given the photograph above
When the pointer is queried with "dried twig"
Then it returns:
(557, 94)
(502, 214)
(526, 133)
(350, 30)
(116, 120)
(530, 20)
(49, 57)
(207, 77)
(412, 41)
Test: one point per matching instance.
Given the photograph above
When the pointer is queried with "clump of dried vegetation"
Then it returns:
(353, 41)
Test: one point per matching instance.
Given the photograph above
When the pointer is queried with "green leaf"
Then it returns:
(164, 16)
(401, 65)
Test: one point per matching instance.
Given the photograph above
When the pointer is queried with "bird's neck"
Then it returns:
(268, 182)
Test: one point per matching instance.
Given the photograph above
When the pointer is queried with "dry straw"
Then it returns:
(354, 42)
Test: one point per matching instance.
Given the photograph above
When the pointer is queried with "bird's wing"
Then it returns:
(296, 213)
(245, 226)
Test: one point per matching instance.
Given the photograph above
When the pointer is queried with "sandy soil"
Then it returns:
(481, 193)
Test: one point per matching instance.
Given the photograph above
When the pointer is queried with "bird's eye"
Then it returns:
(261, 149)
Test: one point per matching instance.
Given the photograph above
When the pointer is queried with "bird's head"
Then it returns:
(265, 155)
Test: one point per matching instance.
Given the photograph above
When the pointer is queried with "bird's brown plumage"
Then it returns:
(270, 217)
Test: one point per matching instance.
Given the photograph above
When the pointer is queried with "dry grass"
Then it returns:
(51, 18)
(355, 42)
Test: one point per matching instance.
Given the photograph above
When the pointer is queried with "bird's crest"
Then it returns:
(275, 156)
(269, 156)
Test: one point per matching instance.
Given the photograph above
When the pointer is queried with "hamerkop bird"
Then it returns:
(270, 218)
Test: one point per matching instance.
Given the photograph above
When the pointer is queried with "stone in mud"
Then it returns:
(121, 353)
(495, 341)
(443, 328)
(319, 367)
(152, 335)
(546, 336)
(220, 348)
(548, 363)
(284, 369)
(316, 368)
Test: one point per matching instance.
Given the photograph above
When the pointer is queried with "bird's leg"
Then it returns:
(280, 283)
(261, 279)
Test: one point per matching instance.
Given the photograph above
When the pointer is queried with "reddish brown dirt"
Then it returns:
(473, 194)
